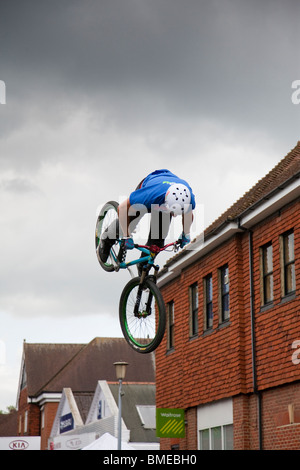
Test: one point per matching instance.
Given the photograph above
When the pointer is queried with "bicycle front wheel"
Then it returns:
(142, 315)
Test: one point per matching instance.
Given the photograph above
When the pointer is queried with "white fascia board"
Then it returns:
(198, 251)
(270, 205)
(251, 217)
(45, 398)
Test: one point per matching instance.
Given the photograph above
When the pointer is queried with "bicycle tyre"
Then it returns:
(136, 330)
(107, 216)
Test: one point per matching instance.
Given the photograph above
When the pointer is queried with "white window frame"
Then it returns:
(212, 415)
(210, 430)
(26, 422)
(42, 417)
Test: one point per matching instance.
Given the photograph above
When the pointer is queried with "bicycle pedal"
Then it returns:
(122, 254)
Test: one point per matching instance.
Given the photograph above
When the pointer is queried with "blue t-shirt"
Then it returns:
(154, 187)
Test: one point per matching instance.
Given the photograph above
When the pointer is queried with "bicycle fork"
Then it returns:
(147, 310)
(137, 312)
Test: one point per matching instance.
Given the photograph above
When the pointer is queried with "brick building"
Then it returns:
(230, 356)
(47, 369)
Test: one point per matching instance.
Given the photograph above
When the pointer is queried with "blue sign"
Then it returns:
(66, 423)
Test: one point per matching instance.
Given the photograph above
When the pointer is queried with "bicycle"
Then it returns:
(142, 312)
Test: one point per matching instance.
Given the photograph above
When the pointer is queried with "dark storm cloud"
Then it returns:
(100, 92)
(140, 83)
(196, 58)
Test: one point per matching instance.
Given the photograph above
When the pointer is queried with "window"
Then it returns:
(170, 325)
(288, 263)
(216, 438)
(267, 273)
(224, 293)
(25, 422)
(101, 409)
(42, 417)
(215, 425)
(24, 378)
(147, 414)
(193, 309)
(208, 305)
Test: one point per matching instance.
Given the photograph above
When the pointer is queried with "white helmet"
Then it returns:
(178, 198)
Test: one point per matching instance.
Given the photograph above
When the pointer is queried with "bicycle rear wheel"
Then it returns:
(107, 228)
(142, 315)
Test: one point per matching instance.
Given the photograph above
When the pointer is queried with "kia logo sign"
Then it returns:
(74, 443)
(18, 445)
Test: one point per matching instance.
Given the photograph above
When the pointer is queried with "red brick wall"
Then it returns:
(246, 422)
(49, 413)
(278, 326)
(218, 364)
(212, 365)
(279, 431)
(33, 416)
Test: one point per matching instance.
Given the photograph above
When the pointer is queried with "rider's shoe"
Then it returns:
(104, 248)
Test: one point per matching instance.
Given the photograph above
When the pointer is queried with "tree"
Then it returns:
(10, 409)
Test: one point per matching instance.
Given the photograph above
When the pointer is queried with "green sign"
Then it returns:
(170, 422)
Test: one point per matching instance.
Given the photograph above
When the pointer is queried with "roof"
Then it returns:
(286, 171)
(53, 358)
(83, 402)
(135, 395)
(52, 367)
(9, 424)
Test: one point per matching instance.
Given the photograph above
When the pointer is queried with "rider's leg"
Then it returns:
(159, 229)
(123, 214)
(114, 231)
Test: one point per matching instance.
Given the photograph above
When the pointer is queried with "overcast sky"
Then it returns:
(99, 93)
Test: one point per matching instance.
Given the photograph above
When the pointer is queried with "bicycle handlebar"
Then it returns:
(156, 249)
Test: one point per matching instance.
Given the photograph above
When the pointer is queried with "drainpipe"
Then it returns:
(253, 336)
(253, 339)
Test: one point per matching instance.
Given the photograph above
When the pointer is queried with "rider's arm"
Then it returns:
(187, 220)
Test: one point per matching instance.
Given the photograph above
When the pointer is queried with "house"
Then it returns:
(74, 429)
(48, 369)
(230, 356)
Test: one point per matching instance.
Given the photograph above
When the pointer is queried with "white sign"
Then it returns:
(71, 441)
(20, 443)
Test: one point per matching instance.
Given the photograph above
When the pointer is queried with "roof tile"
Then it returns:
(52, 367)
